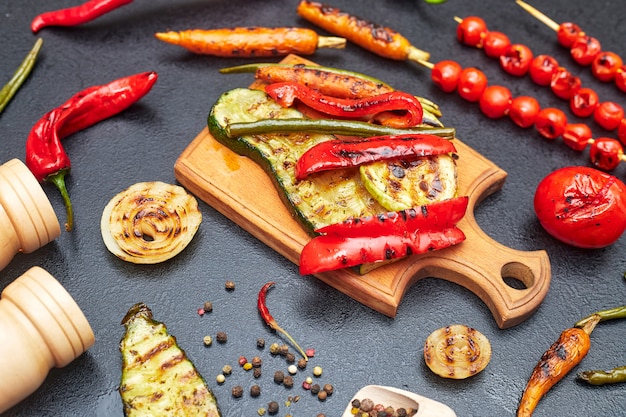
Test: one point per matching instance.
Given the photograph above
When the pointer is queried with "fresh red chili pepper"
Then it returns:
(495, 101)
(45, 155)
(496, 44)
(471, 31)
(77, 15)
(585, 49)
(605, 65)
(336, 154)
(606, 153)
(567, 33)
(434, 216)
(523, 111)
(330, 252)
(542, 69)
(270, 321)
(516, 59)
(608, 114)
(584, 102)
(564, 84)
(286, 94)
(551, 123)
(577, 136)
(472, 84)
(446, 74)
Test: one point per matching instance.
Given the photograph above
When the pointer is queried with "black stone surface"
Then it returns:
(354, 345)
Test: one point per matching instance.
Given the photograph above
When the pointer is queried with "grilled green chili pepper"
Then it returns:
(337, 127)
(609, 314)
(20, 75)
(597, 377)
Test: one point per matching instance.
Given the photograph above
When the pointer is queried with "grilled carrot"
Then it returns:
(251, 41)
(564, 354)
(378, 39)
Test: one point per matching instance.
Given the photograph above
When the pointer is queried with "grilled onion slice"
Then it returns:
(457, 351)
(150, 222)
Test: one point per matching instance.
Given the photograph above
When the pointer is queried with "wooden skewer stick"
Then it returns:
(538, 15)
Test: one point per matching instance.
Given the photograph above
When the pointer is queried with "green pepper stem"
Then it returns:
(58, 179)
(337, 127)
(609, 314)
(277, 328)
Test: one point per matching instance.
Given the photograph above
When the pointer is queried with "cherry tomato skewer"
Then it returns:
(606, 66)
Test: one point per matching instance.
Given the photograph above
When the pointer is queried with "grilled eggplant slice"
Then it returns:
(157, 377)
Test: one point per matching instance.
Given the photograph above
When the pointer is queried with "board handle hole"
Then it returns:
(517, 276)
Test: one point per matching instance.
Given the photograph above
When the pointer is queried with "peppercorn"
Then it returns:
(279, 376)
(322, 395)
(220, 379)
(315, 388)
(290, 357)
(256, 362)
(221, 337)
(274, 349)
(296, 398)
(389, 410)
(306, 385)
(401, 412)
(207, 340)
(356, 403)
(292, 369)
(302, 363)
(261, 411)
(367, 405)
(284, 349)
(256, 372)
(288, 381)
(317, 371)
(381, 413)
(247, 366)
(237, 391)
(321, 415)
(242, 360)
(255, 391)
(201, 312)
(230, 285)
(208, 307)
(272, 407)
(227, 369)
(260, 343)
(328, 389)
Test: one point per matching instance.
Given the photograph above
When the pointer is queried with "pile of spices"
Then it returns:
(366, 408)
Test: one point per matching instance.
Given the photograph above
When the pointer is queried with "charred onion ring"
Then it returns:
(457, 351)
(150, 222)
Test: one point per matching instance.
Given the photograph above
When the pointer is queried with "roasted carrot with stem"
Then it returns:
(564, 354)
(375, 38)
(251, 41)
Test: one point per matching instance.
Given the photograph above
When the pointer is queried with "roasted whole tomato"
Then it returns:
(582, 206)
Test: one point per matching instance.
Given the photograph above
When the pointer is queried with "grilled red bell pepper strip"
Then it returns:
(330, 252)
(434, 216)
(335, 154)
(77, 15)
(286, 94)
(45, 155)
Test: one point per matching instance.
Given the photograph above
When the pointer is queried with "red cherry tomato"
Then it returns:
(542, 69)
(495, 101)
(584, 102)
(585, 49)
(567, 33)
(471, 31)
(445, 75)
(523, 111)
(576, 136)
(495, 44)
(608, 114)
(472, 83)
(606, 153)
(551, 123)
(605, 65)
(516, 59)
(621, 131)
(620, 78)
(564, 84)
(582, 206)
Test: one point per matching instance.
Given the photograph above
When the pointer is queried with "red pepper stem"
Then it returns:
(58, 179)
(273, 325)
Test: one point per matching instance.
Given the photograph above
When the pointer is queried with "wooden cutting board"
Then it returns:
(239, 189)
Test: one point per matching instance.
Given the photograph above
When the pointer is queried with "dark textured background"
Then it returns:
(355, 345)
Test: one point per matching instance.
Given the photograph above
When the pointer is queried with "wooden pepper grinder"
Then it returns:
(27, 219)
(41, 327)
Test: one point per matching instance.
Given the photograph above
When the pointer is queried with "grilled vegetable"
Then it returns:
(251, 41)
(157, 377)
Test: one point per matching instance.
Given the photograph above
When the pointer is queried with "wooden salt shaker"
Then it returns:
(27, 219)
(41, 327)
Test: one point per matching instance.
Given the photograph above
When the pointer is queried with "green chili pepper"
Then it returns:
(595, 377)
(337, 127)
(435, 1)
(25, 68)
(609, 314)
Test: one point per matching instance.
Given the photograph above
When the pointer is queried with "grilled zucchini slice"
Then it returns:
(157, 377)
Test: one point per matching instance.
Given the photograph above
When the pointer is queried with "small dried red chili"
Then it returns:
(77, 15)
(585, 49)
(45, 155)
(286, 93)
(336, 154)
(516, 59)
(270, 321)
